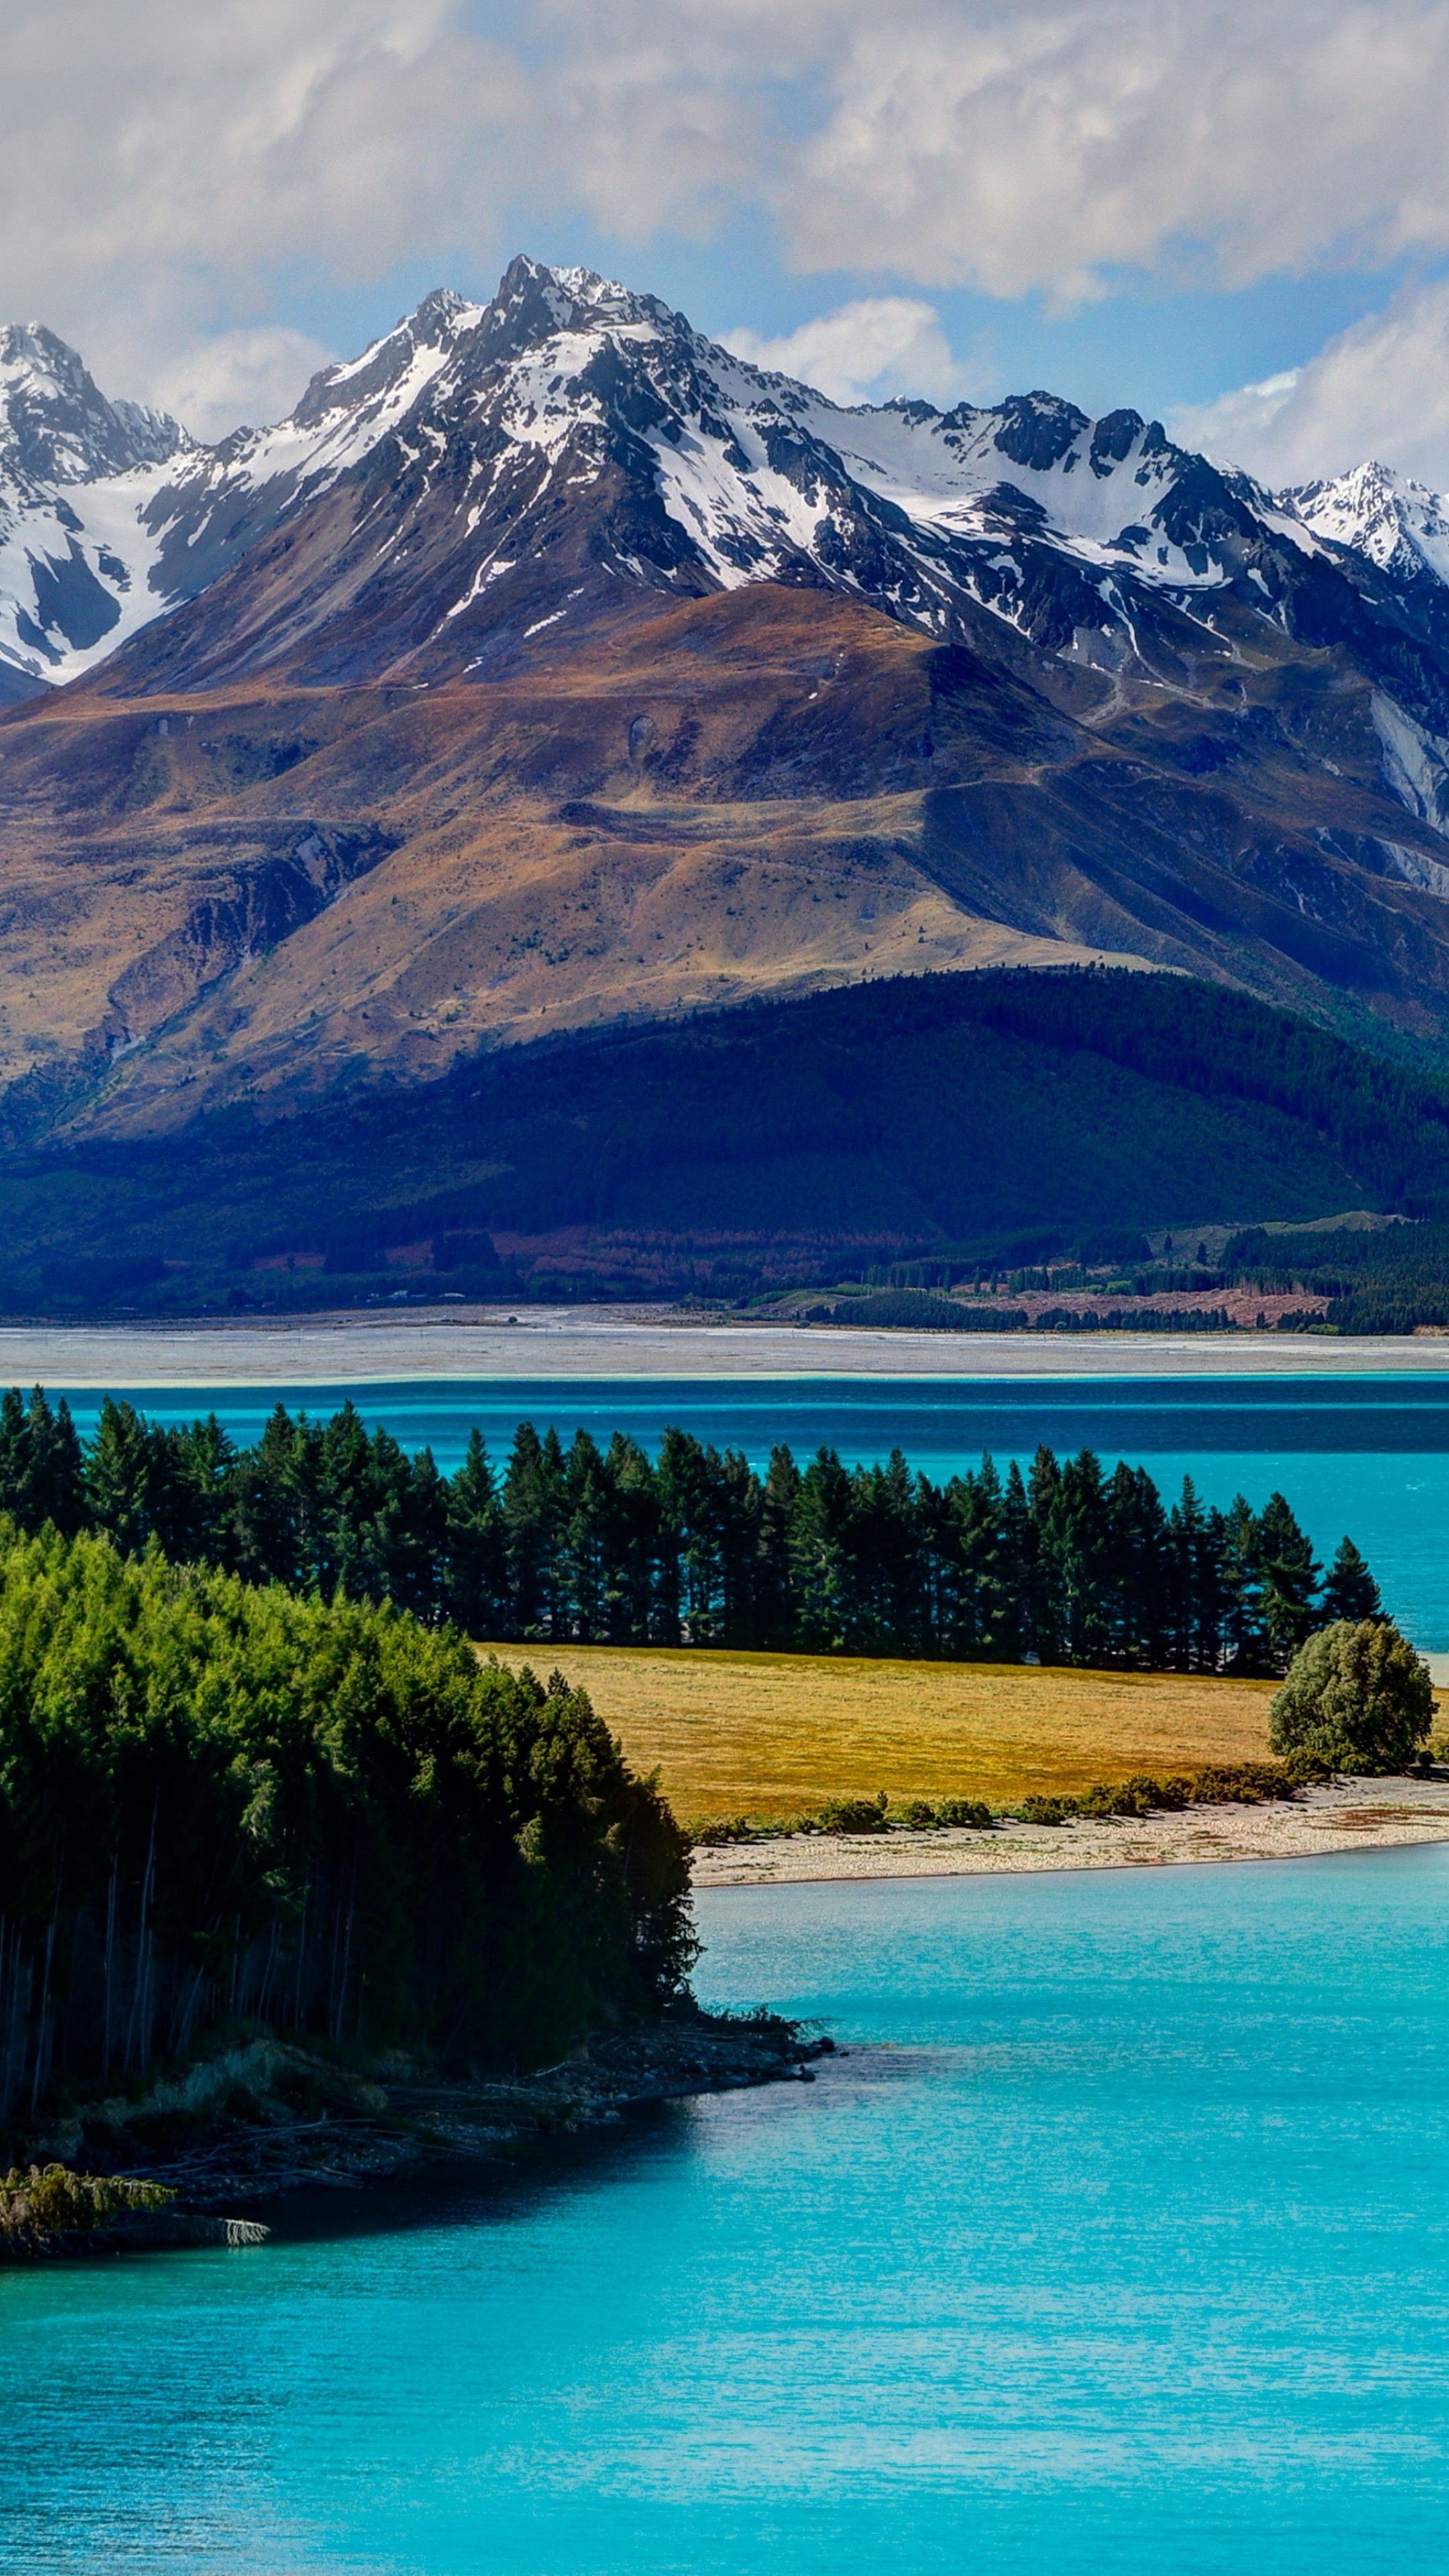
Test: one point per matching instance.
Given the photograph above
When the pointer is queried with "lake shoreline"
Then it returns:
(669, 1342)
(1355, 1815)
(380, 2126)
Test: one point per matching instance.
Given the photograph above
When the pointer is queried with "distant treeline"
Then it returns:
(1068, 1564)
(223, 1803)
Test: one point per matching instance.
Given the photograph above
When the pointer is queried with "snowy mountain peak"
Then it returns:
(56, 426)
(1399, 524)
(496, 454)
(535, 302)
(406, 358)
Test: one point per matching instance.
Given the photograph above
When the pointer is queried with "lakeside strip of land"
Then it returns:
(1353, 1815)
(274, 2116)
(650, 1342)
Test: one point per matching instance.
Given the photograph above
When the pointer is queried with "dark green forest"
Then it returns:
(1384, 1282)
(1001, 1116)
(570, 1544)
(224, 1803)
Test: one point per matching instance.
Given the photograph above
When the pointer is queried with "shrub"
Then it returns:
(1047, 1811)
(62, 2203)
(1357, 1696)
(853, 1815)
(1103, 1802)
(916, 1815)
(1243, 1784)
(718, 1830)
(1172, 1795)
(966, 1811)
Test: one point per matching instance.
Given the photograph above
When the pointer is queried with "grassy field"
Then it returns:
(774, 1735)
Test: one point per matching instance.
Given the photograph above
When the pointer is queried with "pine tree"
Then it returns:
(1244, 1633)
(776, 1608)
(193, 1497)
(475, 1583)
(820, 1549)
(121, 1476)
(14, 1458)
(1289, 1577)
(1349, 1590)
(270, 1505)
(533, 1499)
(632, 1503)
(1019, 1547)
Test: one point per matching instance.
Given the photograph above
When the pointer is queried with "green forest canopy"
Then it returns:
(225, 1802)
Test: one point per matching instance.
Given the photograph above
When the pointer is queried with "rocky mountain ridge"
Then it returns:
(1090, 538)
(110, 514)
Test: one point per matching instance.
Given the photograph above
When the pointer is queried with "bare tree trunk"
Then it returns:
(41, 2019)
(143, 1952)
(110, 1966)
(301, 1957)
(341, 2004)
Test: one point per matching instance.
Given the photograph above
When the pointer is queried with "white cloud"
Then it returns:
(252, 376)
(163, 164)
(166, 167)
(884, 344)
(1034, 145)
(1379, 389)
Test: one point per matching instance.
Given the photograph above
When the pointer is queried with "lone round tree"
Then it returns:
(1356, 1697)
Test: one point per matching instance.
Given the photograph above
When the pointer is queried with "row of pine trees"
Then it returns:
(566, 1544)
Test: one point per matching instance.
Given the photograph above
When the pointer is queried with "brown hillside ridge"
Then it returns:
(282, 889)
(477, 862)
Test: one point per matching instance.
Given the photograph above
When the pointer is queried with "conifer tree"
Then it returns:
(1349, 1590)
(475, 1585)
(121, 1475)
(776, 1606)
(1289, 1578)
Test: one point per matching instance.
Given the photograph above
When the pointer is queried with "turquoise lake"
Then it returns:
(1367, 1455)
(1117, 2242)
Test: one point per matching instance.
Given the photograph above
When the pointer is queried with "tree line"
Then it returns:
(1067, 1563)
(223, 1803)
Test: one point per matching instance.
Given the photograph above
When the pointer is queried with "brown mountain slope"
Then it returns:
(274, 888)
(278, 886)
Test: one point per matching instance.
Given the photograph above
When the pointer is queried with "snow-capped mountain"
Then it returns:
(572, 430)
(500, 461)
(550, 666)
(56, 426)
(73, 470)
(1391, 520)
(111, 514)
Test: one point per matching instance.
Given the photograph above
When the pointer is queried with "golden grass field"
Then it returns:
(774, 1735)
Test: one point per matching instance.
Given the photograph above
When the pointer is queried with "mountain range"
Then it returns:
(552, 672)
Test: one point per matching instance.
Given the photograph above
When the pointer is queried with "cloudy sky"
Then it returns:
(1231, 213)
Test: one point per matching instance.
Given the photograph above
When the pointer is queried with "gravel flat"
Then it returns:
(1355, 1815)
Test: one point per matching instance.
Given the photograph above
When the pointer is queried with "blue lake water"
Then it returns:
(1118, 2242)
(1368, 1455)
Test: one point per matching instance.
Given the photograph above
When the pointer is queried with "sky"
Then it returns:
(1230, 214)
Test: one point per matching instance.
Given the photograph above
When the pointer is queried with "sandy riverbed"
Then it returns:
(1357, 1815)
(660, 1341)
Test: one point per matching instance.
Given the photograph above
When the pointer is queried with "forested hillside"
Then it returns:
(1000, 1116)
